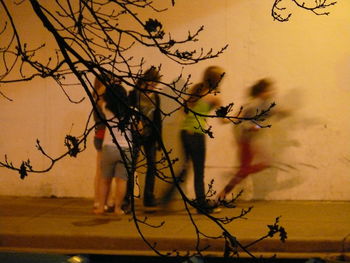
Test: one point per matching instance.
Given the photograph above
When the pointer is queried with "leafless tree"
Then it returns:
(92, 42)
(282, 13)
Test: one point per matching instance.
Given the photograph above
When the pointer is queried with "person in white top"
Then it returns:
(116, 148)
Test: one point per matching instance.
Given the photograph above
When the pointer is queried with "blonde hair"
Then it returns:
(211, 80)
(212, 77)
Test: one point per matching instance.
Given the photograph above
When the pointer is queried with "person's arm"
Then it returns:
(216, 102)
(99, 125)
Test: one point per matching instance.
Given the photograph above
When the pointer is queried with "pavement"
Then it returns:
(67, 226)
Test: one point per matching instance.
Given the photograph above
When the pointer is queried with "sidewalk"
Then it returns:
(67, 226)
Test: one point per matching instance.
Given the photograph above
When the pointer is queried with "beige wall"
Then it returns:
(308, 57)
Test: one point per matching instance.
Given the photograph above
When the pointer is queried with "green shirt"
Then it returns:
(194, 122)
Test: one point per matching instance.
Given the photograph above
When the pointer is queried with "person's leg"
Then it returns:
(229, 187)
(197, 153)
(107, 164)
(185, 145)
(168, 196)
(97, 180)
(150, 154)
(104, 186)
(257, 168)
(120, 192)
(245, 157)
(109, 205)
(121, 174)
(129, 192)
(198, 150)
(248, 152)
(131, 180)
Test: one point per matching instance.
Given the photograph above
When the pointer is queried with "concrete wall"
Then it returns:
(308, 58)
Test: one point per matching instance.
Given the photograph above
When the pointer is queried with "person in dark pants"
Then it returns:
(147, 101)
(202, 100)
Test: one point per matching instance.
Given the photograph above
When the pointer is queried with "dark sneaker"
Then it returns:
(126, 207)
(150, 202)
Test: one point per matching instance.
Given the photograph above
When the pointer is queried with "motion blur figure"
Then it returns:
(203, 98)
(253, 158)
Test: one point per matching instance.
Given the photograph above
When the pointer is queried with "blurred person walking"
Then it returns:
(259, 108)
(202, 99)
